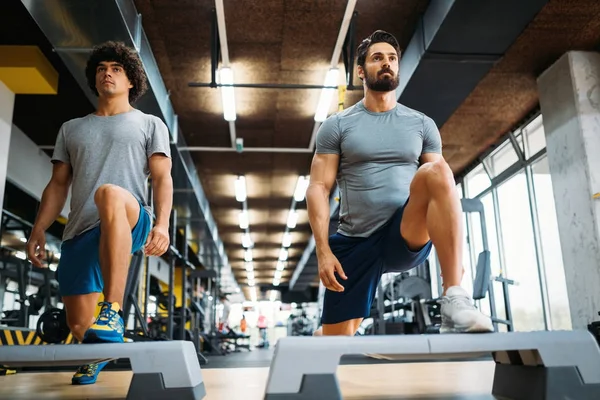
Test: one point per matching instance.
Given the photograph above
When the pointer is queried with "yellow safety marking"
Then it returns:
(19, 335)
(38, 340)
(30, 337)
(25, 70)
(341, 97)
(9, 339)
(596, 196)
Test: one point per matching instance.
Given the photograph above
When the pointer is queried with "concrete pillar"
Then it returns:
(7, 103)
(569, 94)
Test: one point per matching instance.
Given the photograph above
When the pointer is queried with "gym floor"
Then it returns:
(244, 376)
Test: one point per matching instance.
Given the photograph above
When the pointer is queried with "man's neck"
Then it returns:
(379, 101)
(112, 106)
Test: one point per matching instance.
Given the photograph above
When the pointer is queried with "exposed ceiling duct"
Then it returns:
(73, 27)
(454, 46)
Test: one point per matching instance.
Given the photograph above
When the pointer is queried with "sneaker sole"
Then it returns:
(477, 328)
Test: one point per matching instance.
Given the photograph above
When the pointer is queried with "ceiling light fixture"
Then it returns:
(248, 255)
(240, 188)
(331, 79)
(287, 239)
(243, 219)
(246, 240)
(227, 96)
(292, 219)
(301, 186)
(283, 255)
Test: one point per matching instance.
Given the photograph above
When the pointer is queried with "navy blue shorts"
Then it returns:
(364, 260)
(79, 270)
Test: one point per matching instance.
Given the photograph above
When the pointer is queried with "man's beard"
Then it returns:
(383, 84)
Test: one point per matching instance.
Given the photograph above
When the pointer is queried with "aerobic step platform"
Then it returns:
(529, 365)
(161, 370)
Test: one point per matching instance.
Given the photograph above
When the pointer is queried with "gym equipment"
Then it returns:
(408, 287)
(52, 326)
(529, 365)
(483, 283)
(161, 370)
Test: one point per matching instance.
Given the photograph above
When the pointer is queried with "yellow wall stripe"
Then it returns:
(25, 70)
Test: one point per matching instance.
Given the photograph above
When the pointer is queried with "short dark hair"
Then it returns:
(376, 37)
(128, 58)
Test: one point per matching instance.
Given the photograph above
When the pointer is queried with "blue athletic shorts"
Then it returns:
(364, 260)
(79, 270)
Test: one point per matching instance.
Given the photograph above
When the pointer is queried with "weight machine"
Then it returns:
(484, 281)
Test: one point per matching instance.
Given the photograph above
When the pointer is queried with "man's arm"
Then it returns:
(53, 200)
(323, 171)
(162, 188)
(54, 196)
(430, 157)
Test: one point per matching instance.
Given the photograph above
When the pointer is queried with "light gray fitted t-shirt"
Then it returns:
(379, 156)
(108, 150)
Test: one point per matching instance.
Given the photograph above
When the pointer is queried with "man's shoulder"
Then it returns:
(151, 121)
(74, 122)
(406, 111)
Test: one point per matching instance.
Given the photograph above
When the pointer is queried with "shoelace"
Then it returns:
(106, 313)
(89, 369)
(462, 302)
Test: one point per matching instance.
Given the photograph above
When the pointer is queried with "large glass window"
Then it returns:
(530, 255)
(549, 236)
(519, 254)
(535, 137)
(476, 181)
(502, 158)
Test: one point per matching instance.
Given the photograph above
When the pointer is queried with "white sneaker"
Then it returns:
(460, 315)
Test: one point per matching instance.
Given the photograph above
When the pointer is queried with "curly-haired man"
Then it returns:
(106, 158)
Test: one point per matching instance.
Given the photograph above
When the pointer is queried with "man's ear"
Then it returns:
(361, 73)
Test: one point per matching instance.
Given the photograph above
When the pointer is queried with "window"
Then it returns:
(502, 158)
(535, 137)
(476, 181)
(552, 255)
(519, 254)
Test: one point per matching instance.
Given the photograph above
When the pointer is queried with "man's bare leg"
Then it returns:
(346, 328)
(81, 310)
(434, 211)
(119, 212)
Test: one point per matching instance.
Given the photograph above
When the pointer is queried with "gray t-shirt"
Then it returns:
(379, 156)
(103, 150)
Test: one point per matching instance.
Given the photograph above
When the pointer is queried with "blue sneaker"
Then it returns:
(87, 374)
(108, 327)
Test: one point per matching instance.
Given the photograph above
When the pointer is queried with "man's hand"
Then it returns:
(158, 241)
(36, 247)
(328, 265)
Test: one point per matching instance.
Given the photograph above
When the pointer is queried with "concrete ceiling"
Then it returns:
(291, 42)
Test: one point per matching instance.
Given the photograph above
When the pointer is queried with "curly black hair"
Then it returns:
(376, 37)
(126, 56)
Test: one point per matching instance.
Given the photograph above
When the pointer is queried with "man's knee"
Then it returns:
(436, 176)
(109, 195)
